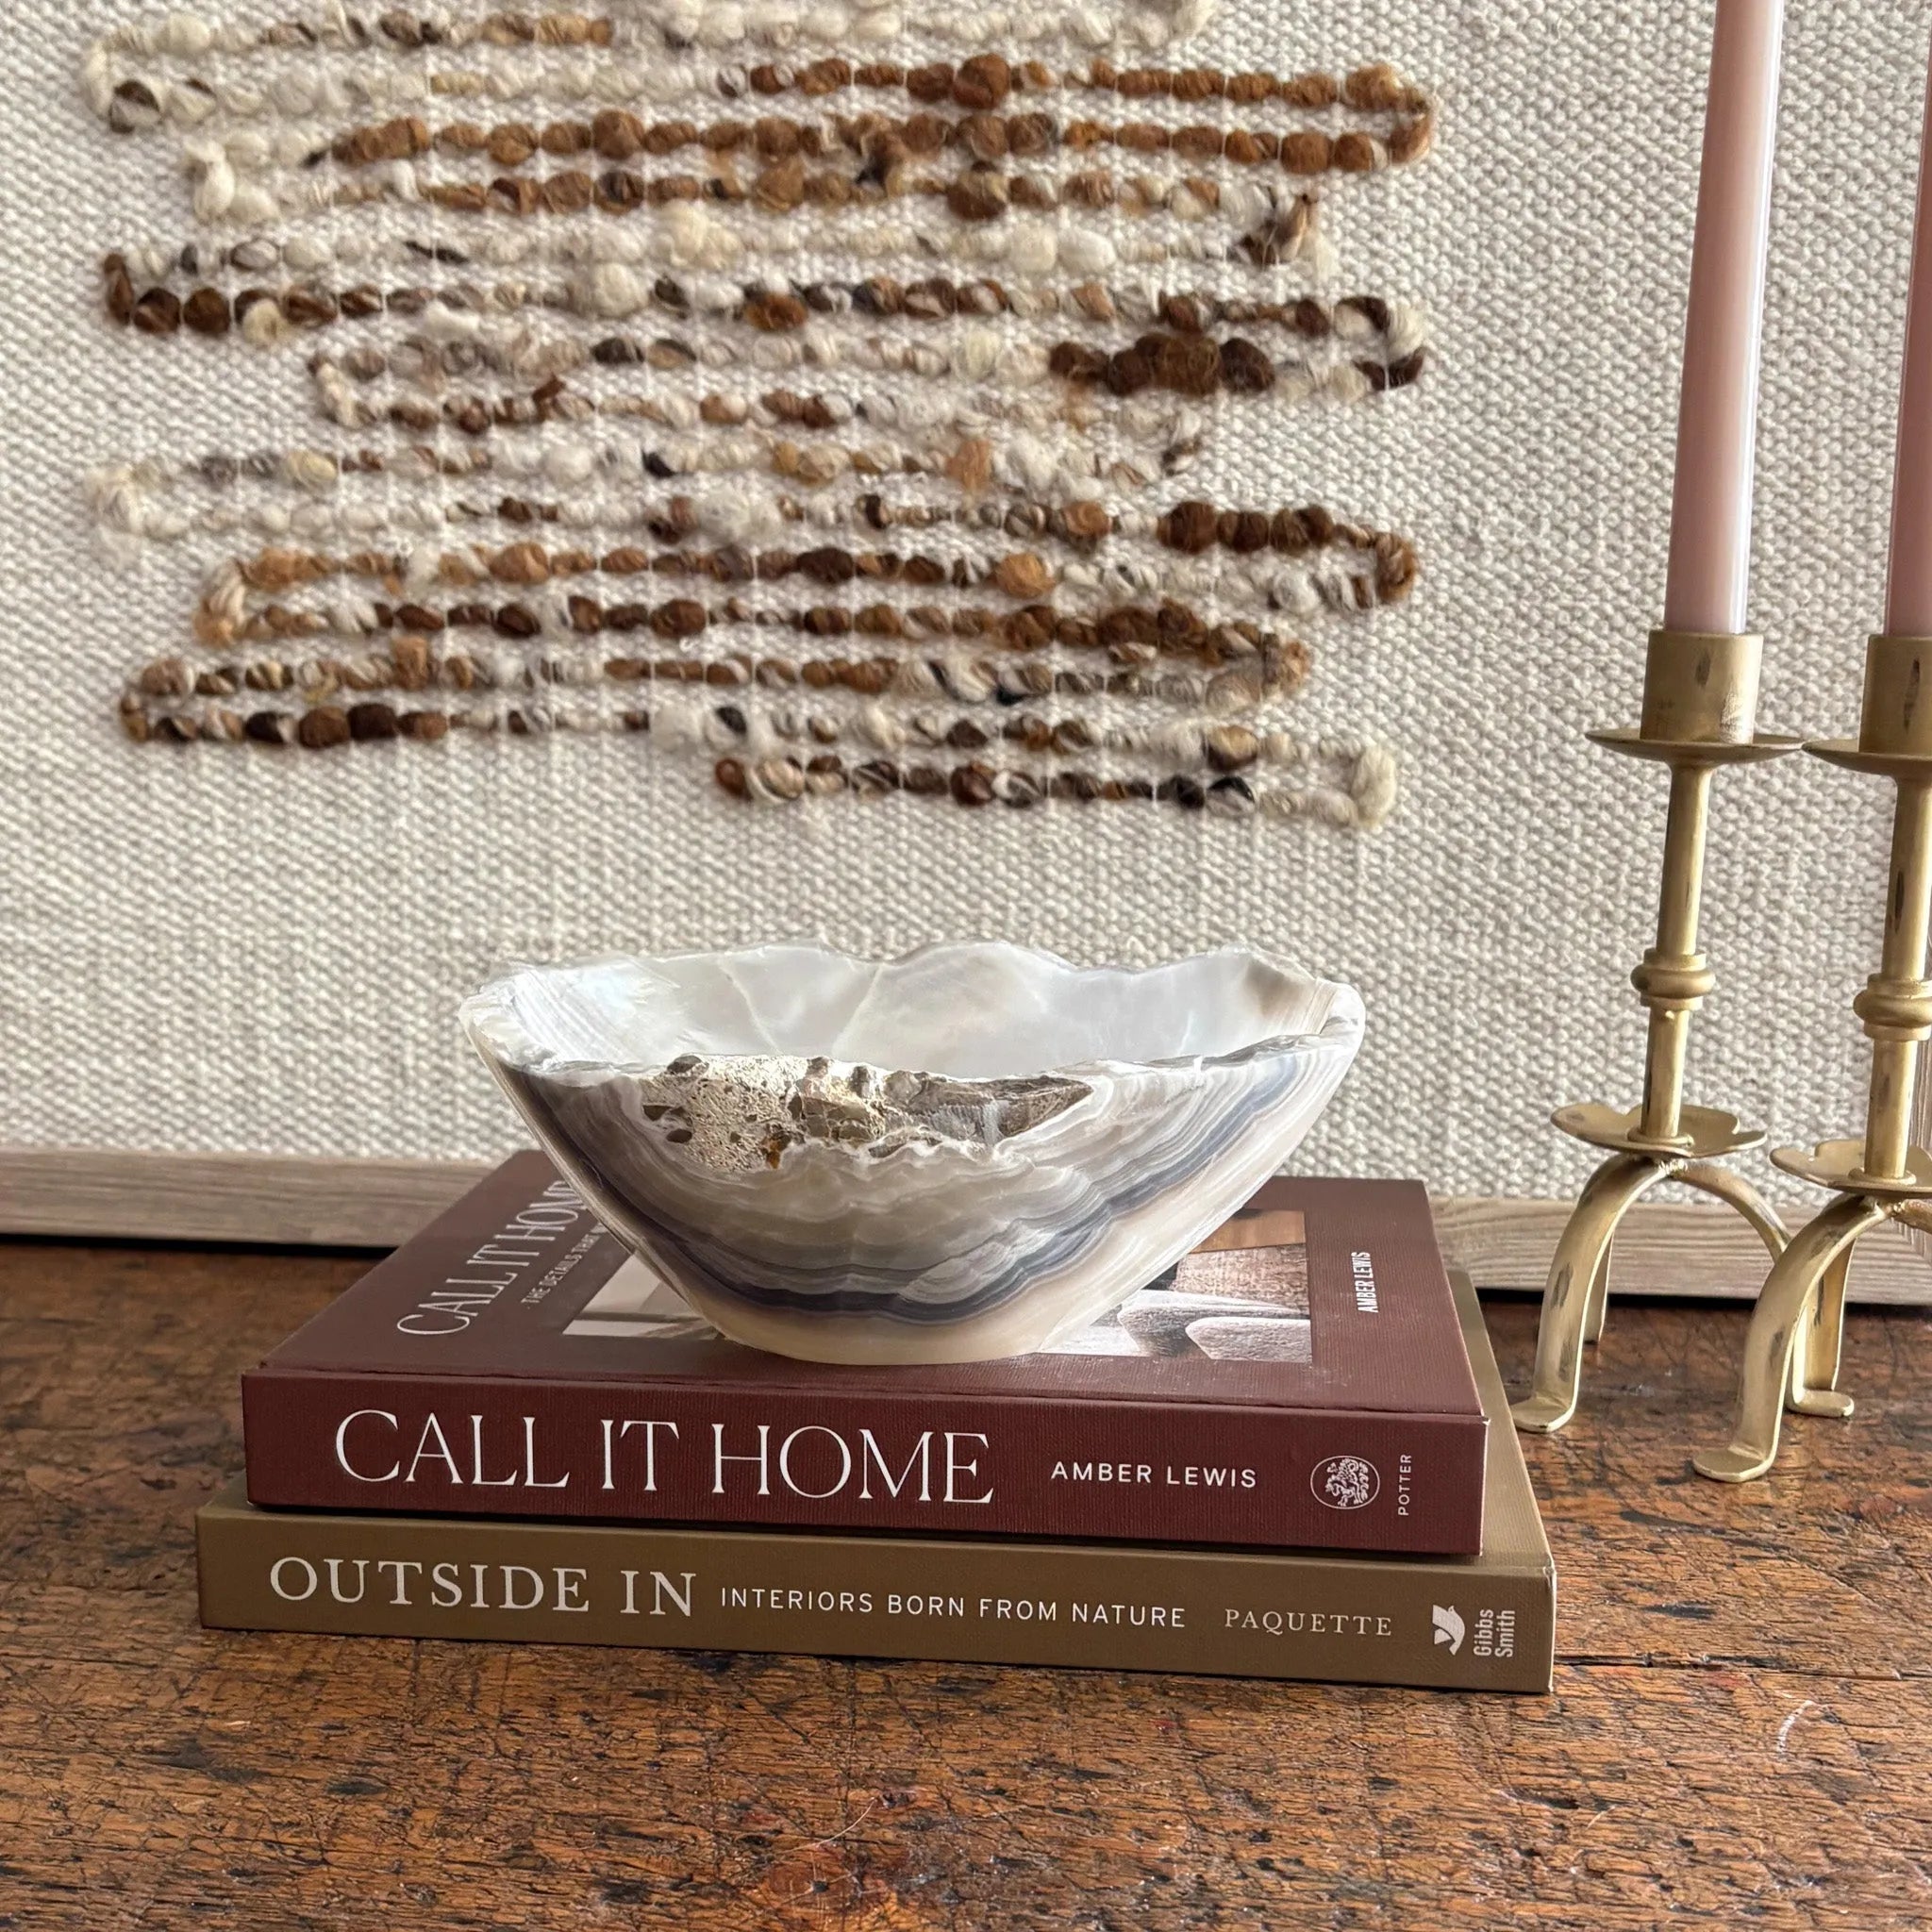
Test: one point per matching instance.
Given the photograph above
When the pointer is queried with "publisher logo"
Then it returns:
(1345, 1482)
(1448, 1627)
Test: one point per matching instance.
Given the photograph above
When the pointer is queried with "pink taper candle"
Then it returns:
(1909, 596)
(1717, 426)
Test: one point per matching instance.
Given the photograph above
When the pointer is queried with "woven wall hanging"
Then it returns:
(816, 399)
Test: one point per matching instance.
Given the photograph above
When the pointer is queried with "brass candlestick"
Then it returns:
(1699, 713)
(1884, 1177)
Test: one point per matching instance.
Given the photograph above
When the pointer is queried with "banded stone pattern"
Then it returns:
(807, 388)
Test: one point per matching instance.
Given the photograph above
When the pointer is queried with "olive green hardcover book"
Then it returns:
(1482, 1623)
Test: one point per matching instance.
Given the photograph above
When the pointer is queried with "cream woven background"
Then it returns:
(231, 949)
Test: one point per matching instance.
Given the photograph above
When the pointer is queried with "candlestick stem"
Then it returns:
(1674, 977)
(1885, 1001)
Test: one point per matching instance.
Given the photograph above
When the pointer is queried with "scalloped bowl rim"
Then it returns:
(486, 1014)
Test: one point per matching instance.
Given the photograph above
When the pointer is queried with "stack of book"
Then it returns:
(1276, 1461)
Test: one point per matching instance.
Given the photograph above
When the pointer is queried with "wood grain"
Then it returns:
(1741, 1731)
(258, 1198)
(1666, 1248)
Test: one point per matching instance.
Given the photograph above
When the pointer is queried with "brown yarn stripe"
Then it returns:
(1021, 574)
(1191, 528)
(972, 783)
(930, 299)
(974, 195)
(1130, 632)
(976, 784)
(1240, 364)
(883, 142)
(1198, 365)
(1225, 746)
(1155, 360)
(981, 84)
(408, 663)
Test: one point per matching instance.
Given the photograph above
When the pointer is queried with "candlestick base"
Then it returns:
(1700, 698)
(1800, 1316)
(1577, 1295)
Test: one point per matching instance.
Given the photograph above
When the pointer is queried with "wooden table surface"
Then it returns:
(1740, 1734)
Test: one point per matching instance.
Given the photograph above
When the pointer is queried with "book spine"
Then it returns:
(653, 1451)
(1333, 1620)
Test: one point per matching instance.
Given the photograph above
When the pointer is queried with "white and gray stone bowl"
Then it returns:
(957, 1155)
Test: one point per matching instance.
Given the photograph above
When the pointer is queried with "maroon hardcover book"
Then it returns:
(1300, 1379)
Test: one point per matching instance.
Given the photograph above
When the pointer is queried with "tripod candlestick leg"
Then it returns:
(1598, 1306)
(1815, 1370)
(1783, 1305)
(1575, 1271)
